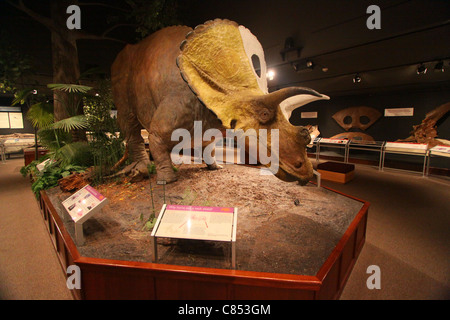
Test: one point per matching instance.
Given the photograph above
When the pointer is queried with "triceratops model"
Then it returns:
(178, 76)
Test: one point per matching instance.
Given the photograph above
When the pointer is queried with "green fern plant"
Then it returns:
(56, 136)
(71, 88)
(70, 95)
(41, 115)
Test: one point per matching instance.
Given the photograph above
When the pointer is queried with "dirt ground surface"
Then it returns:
(282, 227)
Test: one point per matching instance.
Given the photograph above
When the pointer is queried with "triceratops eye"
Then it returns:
(265, 115)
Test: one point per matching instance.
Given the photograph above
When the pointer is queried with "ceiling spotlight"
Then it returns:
(356, 79)
(439, 67)
(303, 65)
(270, 74)
(422, 69)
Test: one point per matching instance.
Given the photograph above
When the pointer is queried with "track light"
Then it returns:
(422, 69)
(439, 67)
(303, 65)
(356, 79)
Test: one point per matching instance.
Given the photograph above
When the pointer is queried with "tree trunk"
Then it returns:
(66, 68)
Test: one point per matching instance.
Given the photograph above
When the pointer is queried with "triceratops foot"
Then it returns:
(136, 171)
(167, 175)
(214, 166)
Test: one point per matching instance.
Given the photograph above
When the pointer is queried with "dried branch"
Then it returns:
(99, 4)
(47, 22)
(78, 35)
(118, 26)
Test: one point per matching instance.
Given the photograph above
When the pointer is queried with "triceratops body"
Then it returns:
(178, 76)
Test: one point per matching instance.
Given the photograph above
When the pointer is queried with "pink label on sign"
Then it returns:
(95, 193)
(198, 208)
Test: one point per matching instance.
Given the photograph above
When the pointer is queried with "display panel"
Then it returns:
(195, 222)
(83, 202)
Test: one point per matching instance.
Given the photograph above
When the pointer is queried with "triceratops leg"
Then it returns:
(210, 160)
(159, 139)
(161, 156)
(136, 147)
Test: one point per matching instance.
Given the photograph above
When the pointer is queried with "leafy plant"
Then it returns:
(103, 131)
(78, 153)
(104, 148)
(30, 168)
(72, 123)
(13, 65)
(41, 114)
(71, 96)
(57, 136)
(71, 88)
(49, 177)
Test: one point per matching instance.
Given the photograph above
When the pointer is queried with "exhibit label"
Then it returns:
(335, 141)
(83, 202)
(4, 120)
(406, 147)
(309, 115)
(399, 112)
(441, 151)
(196, 222)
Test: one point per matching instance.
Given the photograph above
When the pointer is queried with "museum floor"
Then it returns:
(407, 237)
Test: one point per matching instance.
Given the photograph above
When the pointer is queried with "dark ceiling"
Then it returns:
(331, 33)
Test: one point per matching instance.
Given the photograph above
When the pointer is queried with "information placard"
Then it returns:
(195, 222)
(334, 141)
(406, 147)
(4, 120)
(42, 165)
(399, 112)
(83, 203)
(16, 120)
(309, 115)
(443, 151)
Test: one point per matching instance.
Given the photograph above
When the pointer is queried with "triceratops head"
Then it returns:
(216, 62)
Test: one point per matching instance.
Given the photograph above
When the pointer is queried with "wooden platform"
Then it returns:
(336, 171)
(114, 279)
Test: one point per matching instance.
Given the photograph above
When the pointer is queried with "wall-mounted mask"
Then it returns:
(356, 117)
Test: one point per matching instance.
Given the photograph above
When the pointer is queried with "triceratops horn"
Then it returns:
(275, 98)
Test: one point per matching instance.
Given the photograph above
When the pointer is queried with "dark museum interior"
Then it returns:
(385, 130)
